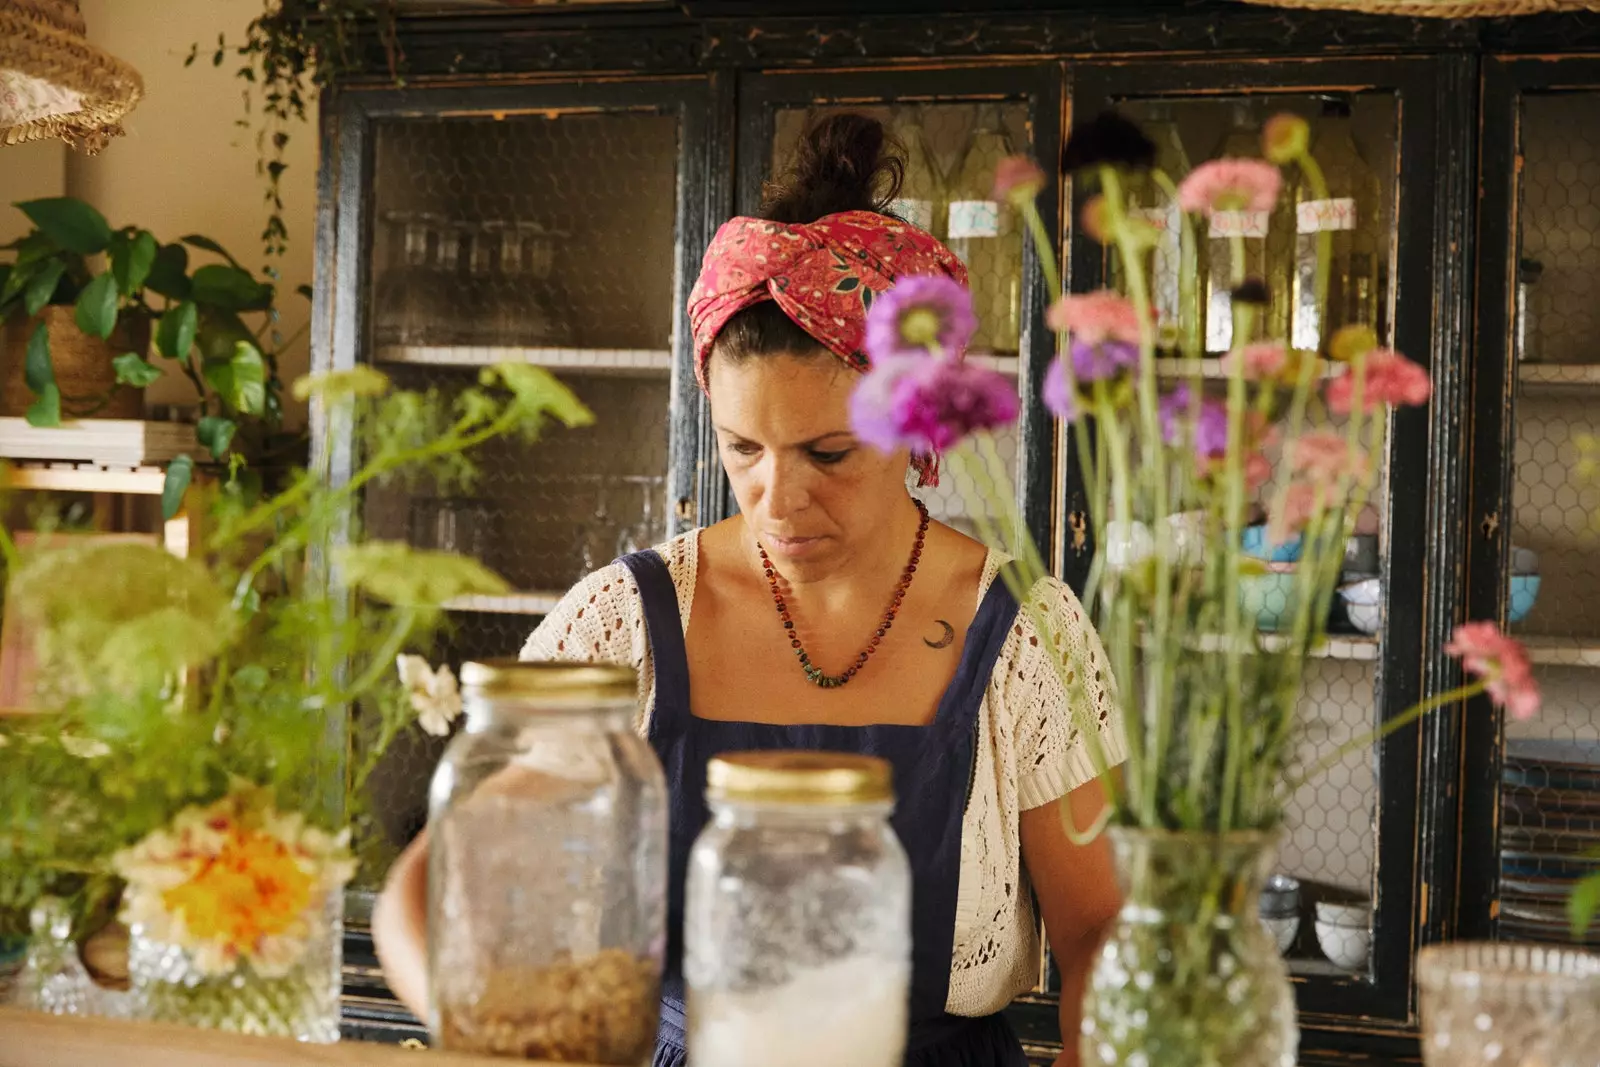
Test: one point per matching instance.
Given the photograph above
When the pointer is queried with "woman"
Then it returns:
(831, 613)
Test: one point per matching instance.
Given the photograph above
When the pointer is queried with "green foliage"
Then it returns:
(164, 679)
(196, 317)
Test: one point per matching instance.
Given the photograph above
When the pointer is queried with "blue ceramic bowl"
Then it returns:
(1524, 591)
(1256, 543)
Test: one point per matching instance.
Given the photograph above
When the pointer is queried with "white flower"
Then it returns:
(434, 695)
(85, 747)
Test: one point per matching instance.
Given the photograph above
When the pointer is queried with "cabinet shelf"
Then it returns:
(1561, 651)
(625, 362)
(508, 604)
(1334, 646)
(1211, 369)
(1559, 377)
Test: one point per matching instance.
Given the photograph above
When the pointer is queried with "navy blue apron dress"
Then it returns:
(932, 776)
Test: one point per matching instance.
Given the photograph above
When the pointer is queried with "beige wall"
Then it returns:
(184, 166)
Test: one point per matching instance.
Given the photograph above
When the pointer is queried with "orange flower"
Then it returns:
(252, 888)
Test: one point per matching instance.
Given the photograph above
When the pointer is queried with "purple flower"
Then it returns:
(1094, 362)
(1055, 394)
(928, 404)
(918, 314)
(1210, 433)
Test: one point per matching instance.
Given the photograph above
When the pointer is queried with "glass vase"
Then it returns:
(1189, 976)
(1504, 1003)
(168, 984)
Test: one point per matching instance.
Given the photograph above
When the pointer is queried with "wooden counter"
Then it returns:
(29, 1039)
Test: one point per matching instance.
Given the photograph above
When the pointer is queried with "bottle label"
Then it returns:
(1315, 216)
(974, 218)
(917, 212)
(1239, 224)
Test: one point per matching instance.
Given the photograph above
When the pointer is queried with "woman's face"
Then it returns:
(808, 488)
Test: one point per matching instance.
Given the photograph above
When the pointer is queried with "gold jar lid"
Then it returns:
(787, 777)
(536, 680)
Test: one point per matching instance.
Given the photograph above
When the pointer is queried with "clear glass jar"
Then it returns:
(797, 919)
(1485, 1004)
(547, 869)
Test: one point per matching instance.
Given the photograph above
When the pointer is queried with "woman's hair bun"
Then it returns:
(843, 162)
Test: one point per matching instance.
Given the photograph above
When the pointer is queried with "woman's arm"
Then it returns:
(400, 927)
(1077, 892)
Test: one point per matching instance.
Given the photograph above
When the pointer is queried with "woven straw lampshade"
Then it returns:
(1442, 9)
(53, 83)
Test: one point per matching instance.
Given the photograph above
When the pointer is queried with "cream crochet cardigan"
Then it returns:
(1028, 753)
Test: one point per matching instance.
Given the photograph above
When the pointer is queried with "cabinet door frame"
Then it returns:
(1507, 81)
(1413, 831)
(762, 94)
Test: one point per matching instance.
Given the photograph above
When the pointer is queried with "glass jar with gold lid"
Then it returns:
(547, 869)
(797, 921)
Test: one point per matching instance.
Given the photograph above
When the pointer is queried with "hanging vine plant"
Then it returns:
(288, 55)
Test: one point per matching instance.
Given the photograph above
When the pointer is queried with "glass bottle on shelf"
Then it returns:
(1177, 312)
(1529, 271)
(1264, 237)
(1351, 214)
(922, 194)
(987, 235)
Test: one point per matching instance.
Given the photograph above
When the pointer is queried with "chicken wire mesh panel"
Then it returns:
(1550, 778)
(505, 240)
(951, 151)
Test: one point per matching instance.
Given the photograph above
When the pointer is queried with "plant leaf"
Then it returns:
(209, 245)
(169, 273)
(175, 334)
(230, 288)
(42, 286)
(242, 380)
(97, 306)
(133, 370)
(1583, 903)
(132, 259)
(40, 375)
(216, 433)
(70, 223)
(179, 473)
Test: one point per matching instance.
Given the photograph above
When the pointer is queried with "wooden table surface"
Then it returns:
(29, 1039)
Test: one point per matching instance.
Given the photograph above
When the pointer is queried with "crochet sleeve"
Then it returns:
(1058, 688)
(600, 620)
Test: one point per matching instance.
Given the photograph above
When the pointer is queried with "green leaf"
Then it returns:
(40, 374)
(305, 291)
(70, 223)
(97, 306)
(230, 288)
(399, 574)
(179, 473)
(241, 381)
(1583, 903)
(216, 433)
(134, 371)
(131, 260)
(17, 280)
(43, 286)
(175, 334)
(169, 274)
(209, 245)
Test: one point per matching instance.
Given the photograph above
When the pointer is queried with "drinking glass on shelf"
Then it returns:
(451, 524)
(597, 537)
(642, 534)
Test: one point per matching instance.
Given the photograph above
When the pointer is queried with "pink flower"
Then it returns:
(1055, 394)
(1230, 185)
(1095, 317)
(1500, 661)
(927, 405)
(1262, 360)
(1390, 379)
(919, 313)
(1327, 456)
(1017, 179)
(1301, 501)
(1285, 138)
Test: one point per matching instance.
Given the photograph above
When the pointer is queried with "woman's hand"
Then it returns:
(400, 927)
(1077, 891)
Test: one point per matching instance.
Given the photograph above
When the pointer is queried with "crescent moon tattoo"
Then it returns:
(944, 641)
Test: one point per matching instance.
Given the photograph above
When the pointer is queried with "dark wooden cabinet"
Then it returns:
(545, 183)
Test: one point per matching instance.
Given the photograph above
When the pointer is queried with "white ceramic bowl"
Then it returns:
(1363, 604)
(1283, 931)
(1356, 914)
(1346, 946)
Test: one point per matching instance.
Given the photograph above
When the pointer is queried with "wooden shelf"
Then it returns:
(1334, 646)
(1559, 377)
(509, 604)
(104, 442)
(1211, 369)
(86, 478)
(1561, 651)
(1007, 365)
(609, 361)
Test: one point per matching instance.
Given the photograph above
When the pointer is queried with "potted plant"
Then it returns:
(80, 304)
(205, 725)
